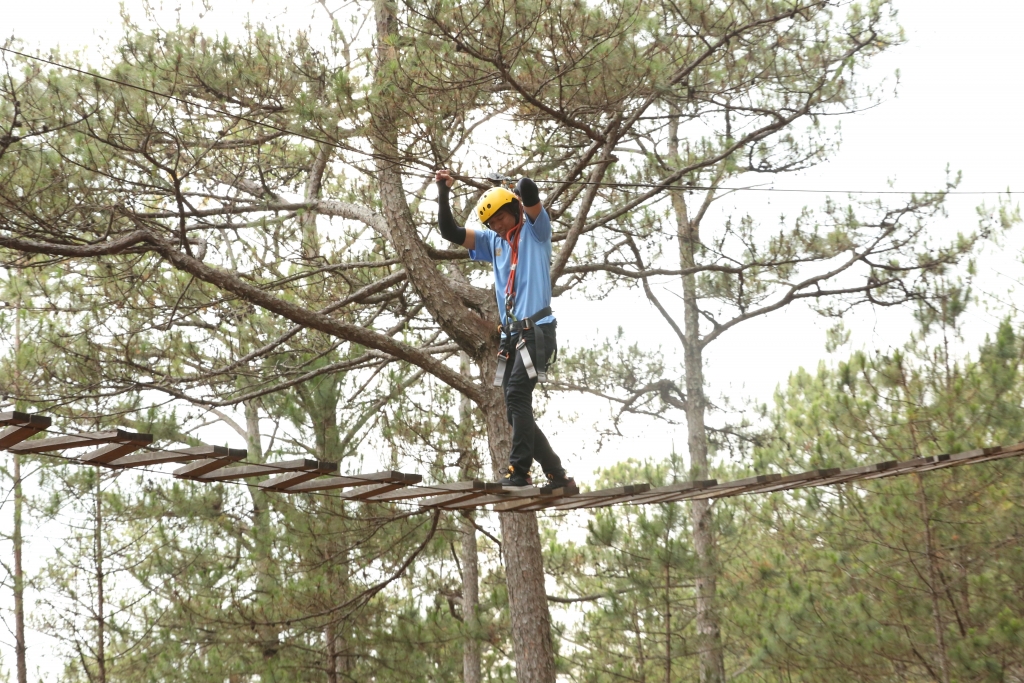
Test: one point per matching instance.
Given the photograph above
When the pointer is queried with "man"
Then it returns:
(516, 241)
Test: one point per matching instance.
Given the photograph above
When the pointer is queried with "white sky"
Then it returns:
(958, 104)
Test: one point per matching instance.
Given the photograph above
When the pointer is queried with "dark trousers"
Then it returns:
(528, 442)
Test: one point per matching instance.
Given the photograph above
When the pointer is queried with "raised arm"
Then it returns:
(530, 196)
(450, 230)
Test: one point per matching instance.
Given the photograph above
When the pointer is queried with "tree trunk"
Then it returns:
(314, 183)
(709, 637)
(20, 646)
(469, 560)
(332, 655)
(262, 538)
(439, 293)
(934, 583)
(521, 549)
(668, 617)
(322, 408)
(524, 562)
(101, 657)
(339, 663)
(471, 671)
(339, 646)
(19, 577)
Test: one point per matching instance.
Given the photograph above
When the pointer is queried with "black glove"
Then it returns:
(527, 191)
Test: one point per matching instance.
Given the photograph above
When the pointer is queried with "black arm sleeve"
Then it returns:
(445, 220)
(528, 192)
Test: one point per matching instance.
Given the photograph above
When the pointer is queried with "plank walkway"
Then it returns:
(118, 449)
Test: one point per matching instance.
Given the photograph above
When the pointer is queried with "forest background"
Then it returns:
(945, 628)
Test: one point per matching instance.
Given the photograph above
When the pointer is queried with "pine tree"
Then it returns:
(189, 182)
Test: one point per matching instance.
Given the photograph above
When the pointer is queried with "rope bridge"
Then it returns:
(119, 449)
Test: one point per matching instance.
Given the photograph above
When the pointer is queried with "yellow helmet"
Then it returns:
(493, 199)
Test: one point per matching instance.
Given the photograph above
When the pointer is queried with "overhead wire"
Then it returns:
(409, 165)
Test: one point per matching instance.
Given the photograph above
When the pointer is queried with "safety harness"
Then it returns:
(512, 327)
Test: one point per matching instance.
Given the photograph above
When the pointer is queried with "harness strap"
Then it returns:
(499, 373)
(524, 352)
(542, 356)
(533, 370)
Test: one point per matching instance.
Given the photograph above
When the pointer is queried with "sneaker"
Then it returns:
(514, 477)
(558, 480)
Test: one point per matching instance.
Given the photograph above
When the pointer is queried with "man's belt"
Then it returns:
(517, 326)
(538, 369)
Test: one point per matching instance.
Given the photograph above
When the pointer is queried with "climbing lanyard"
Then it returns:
(510, 285)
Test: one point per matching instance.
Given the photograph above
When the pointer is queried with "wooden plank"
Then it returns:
(17, 434)
(791, 481)
(22, 426)
(364, 492)
(283, 482)
(851, 473)
(454, 498)
(412, 492)
(965, 457)
(547, 497)
(1015, 448)
(104, 455)
(732, 488)
(333, 483)
(184, 455)
(59, 443)
(472, 502)
(978, 455)
(613, 492)
(198, 469)
(286, 480)
(908, 466)
(681, 487)
(550, 501)
(995, 454)
(18, 418)
(589, 498)
(265, 469)
(326, 484)
(506, 493)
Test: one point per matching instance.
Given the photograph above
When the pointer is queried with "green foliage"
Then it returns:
(917, 573)
(904, 579)
(635, 573)
(255, 158)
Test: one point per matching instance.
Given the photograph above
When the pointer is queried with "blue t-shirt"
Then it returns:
(533, 274)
